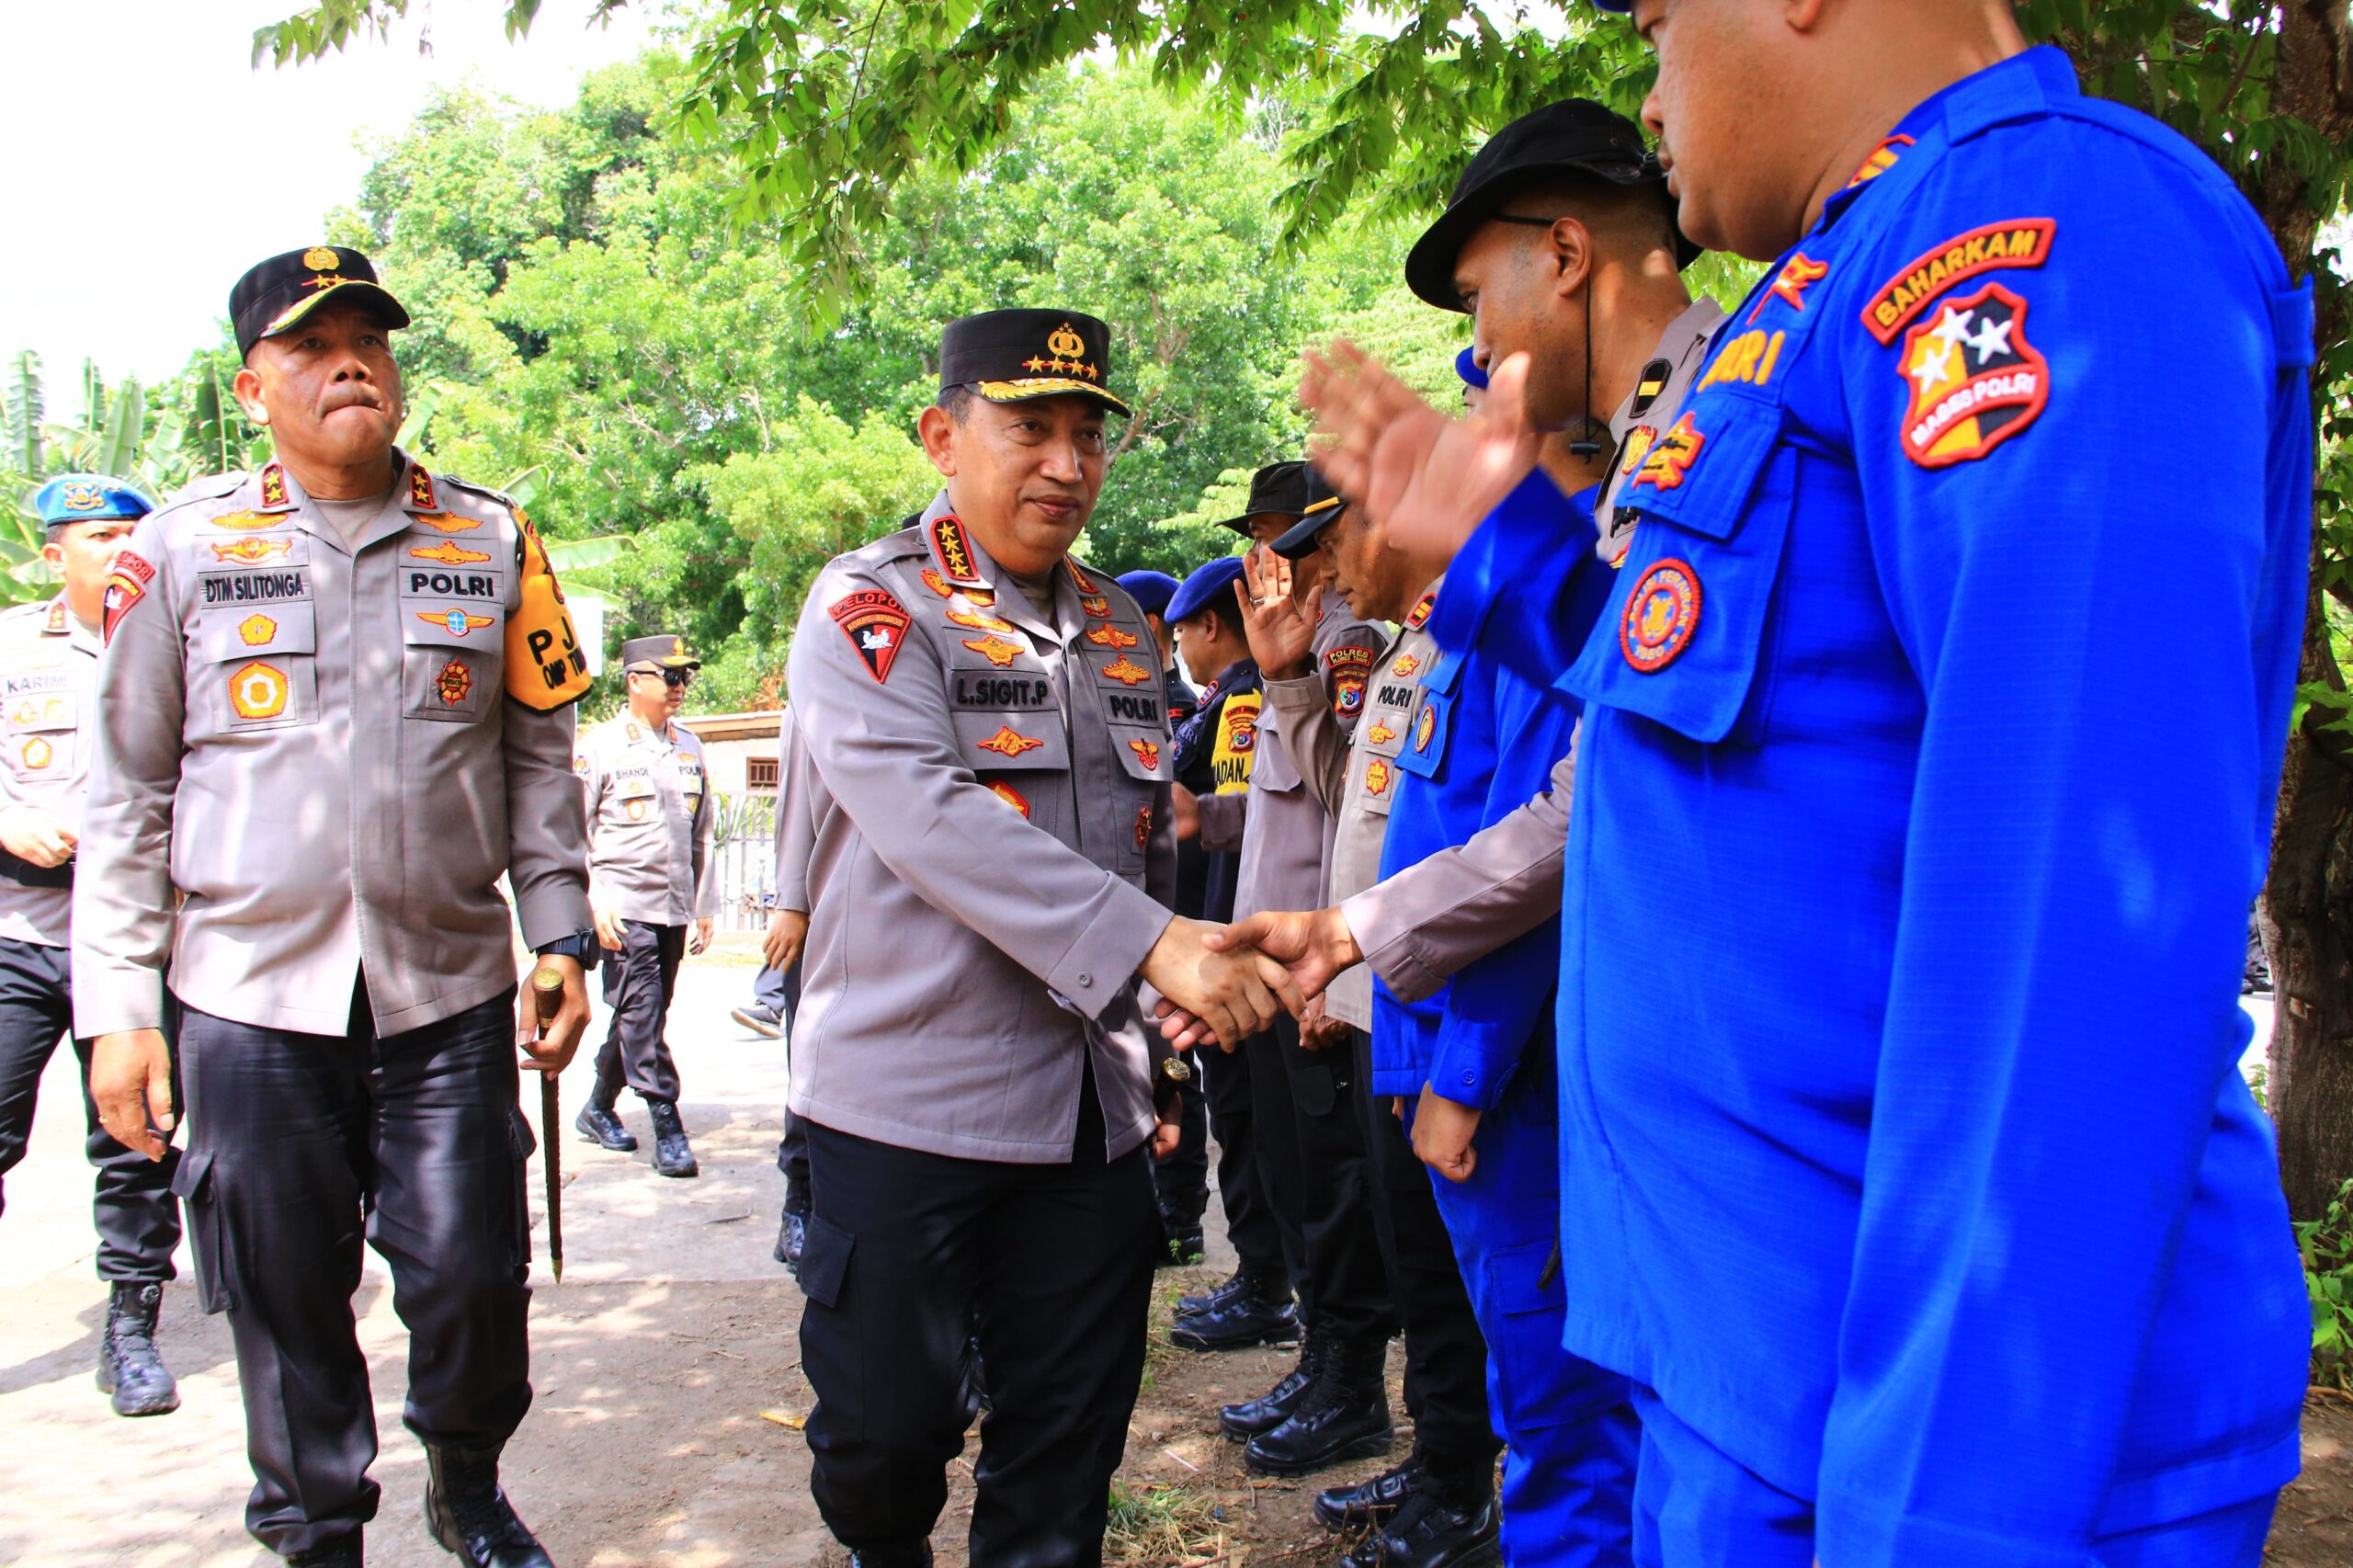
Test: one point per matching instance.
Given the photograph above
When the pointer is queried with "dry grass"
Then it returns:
(1167, 1527)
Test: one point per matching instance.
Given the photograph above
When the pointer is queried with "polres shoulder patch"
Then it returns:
(2019, 242)
(1347, 668)
(876, 624)
(127, 582)
(1972, 379)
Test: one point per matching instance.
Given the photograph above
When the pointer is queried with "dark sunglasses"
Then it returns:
(669, 677)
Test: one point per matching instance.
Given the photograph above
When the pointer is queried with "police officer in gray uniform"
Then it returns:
(334, 711)
(49, 668)
(650, 873)
(989, 764)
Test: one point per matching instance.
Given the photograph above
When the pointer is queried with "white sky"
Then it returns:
(149, 165)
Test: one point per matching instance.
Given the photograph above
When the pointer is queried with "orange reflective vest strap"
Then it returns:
(545, 667)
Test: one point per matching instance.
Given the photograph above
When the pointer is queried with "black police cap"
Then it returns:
(659, 652)
(275, 295)
(1575, 137)
(1280, 489)
(1324, 505)
(1013, 356)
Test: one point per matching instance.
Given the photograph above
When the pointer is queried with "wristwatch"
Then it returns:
(580, 947)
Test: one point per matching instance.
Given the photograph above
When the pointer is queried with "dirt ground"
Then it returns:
(667, 1378)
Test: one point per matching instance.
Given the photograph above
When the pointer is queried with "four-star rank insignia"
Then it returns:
(1661, 615)
(1670, 457)
(1126, 670)
(453, 684)
(1974, 380)
(1147, 753)
(1111, 637)
(876, 624)
(1007, 741)
(996, 650)
(1011, 797)
(953, 553)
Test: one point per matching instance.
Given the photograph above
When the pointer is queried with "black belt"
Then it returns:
(17, 868)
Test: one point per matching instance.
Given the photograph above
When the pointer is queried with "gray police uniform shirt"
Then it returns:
(1357, 777)
(992, 858)
(649, 823)
(1423, 925)
(305, 764)
(796, 828)
(1284, 833)
(49, 676)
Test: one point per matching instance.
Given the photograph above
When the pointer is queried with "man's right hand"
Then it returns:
(1233, 994)
(1428, 477)
(30, 833)
(787, 929)
(1316, 945)
(130, 1081)
(1282, 633)
(608, 928)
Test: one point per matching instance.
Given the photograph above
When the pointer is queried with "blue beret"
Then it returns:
(87, 497)
(1210, 587)
(1151, 590)
(1468, 369)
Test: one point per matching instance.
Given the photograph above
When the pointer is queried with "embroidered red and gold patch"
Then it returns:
(2020, 242)
(1126, 670)
(1008, 742)
(1661, 615)
(1670, 458)
(1147, 753)
(1974, 380)
(996, 650)
(1011, 797)
(1112, 637)
(876, 624)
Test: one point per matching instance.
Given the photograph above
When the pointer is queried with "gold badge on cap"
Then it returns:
(320, 258)
(1067, 348)
(677, 647)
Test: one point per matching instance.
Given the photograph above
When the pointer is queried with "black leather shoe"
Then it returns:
(1181, 1246)
(130, 1367)
(597, 1123)
(1241, 1322)
(468, 1514)
(1245, 1421)
(1218, 1294)
(1343, 1414)
(673, 1155)
(790, 1237)
(1368, 1502)
(1435, 1527)
(343, 1551)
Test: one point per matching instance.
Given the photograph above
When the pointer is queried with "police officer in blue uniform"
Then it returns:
(1991, 1314)
(48, 666)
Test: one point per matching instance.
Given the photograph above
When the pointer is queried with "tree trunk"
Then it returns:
(2308, 899)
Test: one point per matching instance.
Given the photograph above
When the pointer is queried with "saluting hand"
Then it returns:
(130, 1082)
(1428, 477)
(1282, 633)
(551, 1053)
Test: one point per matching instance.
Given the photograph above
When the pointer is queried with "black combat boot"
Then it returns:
(1245, 1421)
(1218, 1294)
(343, 1551)
(1446, 1522)
(599, 1124)
(1368, 1502)
(468, 1514)
(1343, 1414)
(130, 1368)
(915, 1556)
(673, 1155)
(1181, 1246)
(1261, 1312)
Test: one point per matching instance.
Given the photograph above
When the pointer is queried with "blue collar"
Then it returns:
(2023, 84)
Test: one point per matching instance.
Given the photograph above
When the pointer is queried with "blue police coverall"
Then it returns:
(1483, 741)
(1904, 1155)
